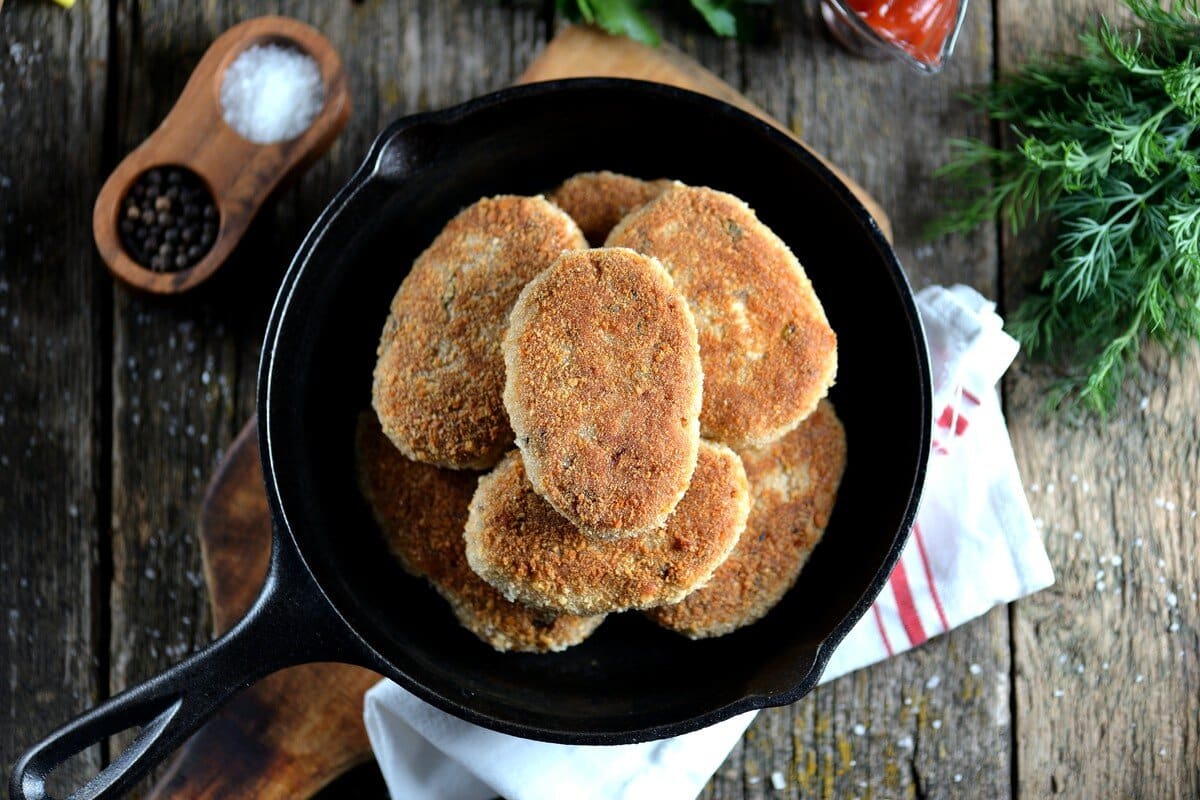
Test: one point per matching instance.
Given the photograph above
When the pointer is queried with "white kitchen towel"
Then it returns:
(974, 546)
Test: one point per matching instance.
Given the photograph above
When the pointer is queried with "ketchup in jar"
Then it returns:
(921, 31)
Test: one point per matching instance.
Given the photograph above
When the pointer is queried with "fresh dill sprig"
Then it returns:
(1104, 147)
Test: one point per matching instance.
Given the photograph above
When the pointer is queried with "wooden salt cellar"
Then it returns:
(239, 174)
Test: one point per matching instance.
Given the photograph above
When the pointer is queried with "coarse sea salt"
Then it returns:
(271, 93)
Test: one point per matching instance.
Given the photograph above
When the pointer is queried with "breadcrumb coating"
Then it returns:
(524, 548)
(765, 344)
(440, 374)
(422, 509)
(598, 200)
(603, 389)
(793, 486)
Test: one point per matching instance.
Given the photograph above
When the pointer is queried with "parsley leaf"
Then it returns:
(627, 17)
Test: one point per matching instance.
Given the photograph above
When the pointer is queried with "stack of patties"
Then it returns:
(660, 391)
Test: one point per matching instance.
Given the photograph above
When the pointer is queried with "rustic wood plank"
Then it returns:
(936, 720)
(185, 368)
(52, 79)
(1106, 660)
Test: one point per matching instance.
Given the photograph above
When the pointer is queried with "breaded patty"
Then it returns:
(767, 349)
(793, 483)
(422, 509)
(603, 389)
(440, 374)
(523, 547)
(598, 200)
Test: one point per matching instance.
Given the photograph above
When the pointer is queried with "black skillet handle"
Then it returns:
(290, 623)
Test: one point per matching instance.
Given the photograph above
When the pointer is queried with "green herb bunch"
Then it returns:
(628, 18)
(1104, 148)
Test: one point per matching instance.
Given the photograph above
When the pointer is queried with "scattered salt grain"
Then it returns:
(906, 742)
(1062, 658)
(974, 669)
(1104, 665)
(1101, 586)
(936, 724)
(1059, 692)
(860, 729)
(1169, 506)
(1172, 599)
(1034, 487)
(271, 93)
(1139, 678)
(1163, 752)
(1074, 478)
(777, 780)
(1077, 535)
(1160, 502)
(957, 778)
(1115, 561)
(933, 682)
(1143, 404)
(1173, 627)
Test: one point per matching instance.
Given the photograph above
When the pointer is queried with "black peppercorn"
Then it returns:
(163, 208)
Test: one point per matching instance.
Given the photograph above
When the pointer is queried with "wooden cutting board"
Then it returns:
(294, 731)
(297, 730)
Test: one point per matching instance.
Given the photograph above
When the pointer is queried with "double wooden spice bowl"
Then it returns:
(239, 174)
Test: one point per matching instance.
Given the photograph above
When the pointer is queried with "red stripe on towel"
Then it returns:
(882, 633)
(909, 617)
(937, 601)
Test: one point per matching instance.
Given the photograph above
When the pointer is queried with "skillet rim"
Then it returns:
(370, 169)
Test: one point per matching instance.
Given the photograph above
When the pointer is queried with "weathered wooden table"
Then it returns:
(114, 409)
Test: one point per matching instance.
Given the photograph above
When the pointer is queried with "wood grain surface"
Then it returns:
(115, 409)
(53, 388)
(292, 732)
(1107, 683)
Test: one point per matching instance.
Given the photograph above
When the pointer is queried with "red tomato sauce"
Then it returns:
(919, 27)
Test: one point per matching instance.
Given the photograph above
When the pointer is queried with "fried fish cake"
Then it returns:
(602, 388)
(793, 483)
(523, 547)
(598, 200)
(440, 374)
(422, 510)
(765, 344)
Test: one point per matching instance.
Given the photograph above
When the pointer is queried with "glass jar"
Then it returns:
(922, 33)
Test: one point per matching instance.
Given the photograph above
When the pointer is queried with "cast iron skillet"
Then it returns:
(334, 593)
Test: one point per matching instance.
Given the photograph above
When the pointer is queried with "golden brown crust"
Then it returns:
(598, 200)
(521, 545)
(793, 484)
(603, 389)
(766, 347)
(421, 510)
(439, 375)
